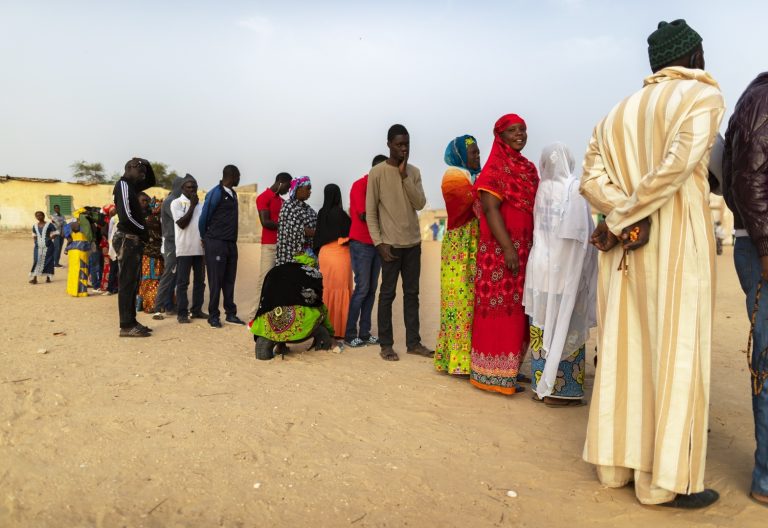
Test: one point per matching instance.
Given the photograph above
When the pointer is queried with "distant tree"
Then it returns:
(85, 172)
(163, 177)
(114, 177)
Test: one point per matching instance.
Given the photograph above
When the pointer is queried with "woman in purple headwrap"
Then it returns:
(296, 223)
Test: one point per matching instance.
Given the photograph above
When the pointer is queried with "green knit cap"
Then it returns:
(671, 41)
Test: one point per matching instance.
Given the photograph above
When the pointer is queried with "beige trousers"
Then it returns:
(645, 491)
(266, 263)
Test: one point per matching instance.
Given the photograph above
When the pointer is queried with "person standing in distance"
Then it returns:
(129, 241)
(393, 197)
(218, 229)
(58, 221)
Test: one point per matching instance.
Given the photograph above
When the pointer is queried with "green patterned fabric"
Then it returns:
(671, 41)
(457, 298)
(289, 324)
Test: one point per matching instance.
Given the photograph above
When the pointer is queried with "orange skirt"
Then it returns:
(336, 267)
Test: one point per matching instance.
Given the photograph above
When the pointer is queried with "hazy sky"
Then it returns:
(312, 87)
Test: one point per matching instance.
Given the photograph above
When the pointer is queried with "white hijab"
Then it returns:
(561, 274)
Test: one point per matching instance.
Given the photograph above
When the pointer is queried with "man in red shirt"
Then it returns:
(268, 204)
(365, 265)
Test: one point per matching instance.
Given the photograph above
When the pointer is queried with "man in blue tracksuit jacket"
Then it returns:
(218, 228)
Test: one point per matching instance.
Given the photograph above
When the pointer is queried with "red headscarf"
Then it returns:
(507, 174)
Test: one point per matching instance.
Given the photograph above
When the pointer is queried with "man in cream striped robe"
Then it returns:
(648, 160)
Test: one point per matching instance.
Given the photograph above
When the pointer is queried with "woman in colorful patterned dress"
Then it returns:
(506, 190)
(291, 309)
(457, 257)
(152, 259)
(43, 260)
(561, 281)
(109, 212)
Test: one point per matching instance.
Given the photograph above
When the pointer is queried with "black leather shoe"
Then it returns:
(694, 501)
(214, 323)
(198, 315)
(235, 320)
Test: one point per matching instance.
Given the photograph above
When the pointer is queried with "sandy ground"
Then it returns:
(188, 429)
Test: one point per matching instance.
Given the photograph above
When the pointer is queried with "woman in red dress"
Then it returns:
(507, 190)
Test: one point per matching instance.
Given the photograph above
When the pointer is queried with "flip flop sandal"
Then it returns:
(761, 502)
(570, 403)
(389, 355)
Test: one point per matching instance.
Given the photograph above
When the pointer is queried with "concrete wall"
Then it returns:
(20, 198)
(249, 225)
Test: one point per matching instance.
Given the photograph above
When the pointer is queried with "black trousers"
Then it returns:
(114, 273)
(408, 265)
(221, 261)
(183, 266)
(130, 251)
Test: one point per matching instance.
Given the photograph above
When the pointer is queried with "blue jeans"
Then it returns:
(94, 267)
(167, 283)
(366, 266)
(748, 267)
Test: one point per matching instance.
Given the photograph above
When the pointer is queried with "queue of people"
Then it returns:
(524, 267)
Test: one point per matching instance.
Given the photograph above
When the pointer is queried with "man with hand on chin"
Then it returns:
(394, 195)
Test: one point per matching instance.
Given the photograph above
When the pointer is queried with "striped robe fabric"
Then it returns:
(648, 159)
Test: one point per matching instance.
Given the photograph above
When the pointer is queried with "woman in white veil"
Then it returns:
(560, 281)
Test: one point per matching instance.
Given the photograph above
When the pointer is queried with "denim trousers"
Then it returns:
(366, 267)
(748, 268)
(168, 279)
(95, 263)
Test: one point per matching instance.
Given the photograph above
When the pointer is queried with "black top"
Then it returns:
(332, 221)
(745, 163)
(126, 196)
(291, 284)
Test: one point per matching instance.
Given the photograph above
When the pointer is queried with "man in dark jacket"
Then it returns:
(129, 241)
(164, 302)
(218, 228)
(745, 186)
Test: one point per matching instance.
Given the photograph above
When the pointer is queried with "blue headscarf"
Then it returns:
(456, 153)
